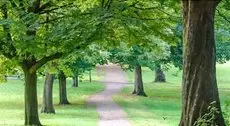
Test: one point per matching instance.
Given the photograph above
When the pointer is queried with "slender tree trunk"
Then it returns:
(31, 102)
(62, 89)
(47, 103)
(90, 76)
(138, 83)
(75, 80)
(199, 65)
(159, 74)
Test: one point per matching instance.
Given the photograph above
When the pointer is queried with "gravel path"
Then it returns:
(110, 113)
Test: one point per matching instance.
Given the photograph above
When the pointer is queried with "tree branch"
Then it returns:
(44, 60)
(224, 17)
(13, 3)
(147, 8)
(10, 51)
(150, 19)
(43, 11)
(102, 3)
(44, 6)
(51, 20)
(108, 4)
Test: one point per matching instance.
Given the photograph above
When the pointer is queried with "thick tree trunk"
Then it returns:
(47, 103)
(199, 65)
(159, 74)
(75, 80)
(138, 82)
(62, 89)
(31, 102)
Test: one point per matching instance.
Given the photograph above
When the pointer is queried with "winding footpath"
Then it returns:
(110, 113)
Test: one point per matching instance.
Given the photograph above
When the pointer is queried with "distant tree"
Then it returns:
(63, 100)
(47, 99)
(135, 57)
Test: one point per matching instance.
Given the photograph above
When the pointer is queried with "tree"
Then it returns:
(47, 99)
(199, 64)
(135, 57)
(138, 82)
(159, 74)
(36, 32)
(79, 67)
(62, 89)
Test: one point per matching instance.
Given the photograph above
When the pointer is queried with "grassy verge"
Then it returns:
(12, 105)
(162, 107)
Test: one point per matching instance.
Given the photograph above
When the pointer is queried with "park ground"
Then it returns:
(77, 113)
(162, 107)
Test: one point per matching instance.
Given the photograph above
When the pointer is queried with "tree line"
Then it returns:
(71, 37)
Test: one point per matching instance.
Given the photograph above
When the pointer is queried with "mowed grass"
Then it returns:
(75, 114)
(162, 107)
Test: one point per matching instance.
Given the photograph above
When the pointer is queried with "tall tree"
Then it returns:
(199, 63)
(36, 32)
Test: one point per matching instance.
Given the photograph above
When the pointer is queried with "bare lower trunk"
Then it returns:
(199, 65)
(75, 80)
(31, 102)
(159, 74)
(47, 103)
(138, 83)
(90, 76)
(62, 89)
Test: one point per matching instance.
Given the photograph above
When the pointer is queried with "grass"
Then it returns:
(162, 107)
(12, 104)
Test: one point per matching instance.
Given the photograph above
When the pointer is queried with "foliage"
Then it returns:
(208, 119)
(129, 57)
(226, 113)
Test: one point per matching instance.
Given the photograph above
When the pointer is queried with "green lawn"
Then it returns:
(162, 107)
(12, 104)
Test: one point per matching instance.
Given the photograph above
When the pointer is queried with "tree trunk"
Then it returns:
(90, 76)
(159, 74)
(31, 102)
(199, 65)
(75, 80)
(62, 89)
(138, 83)
(47, 103)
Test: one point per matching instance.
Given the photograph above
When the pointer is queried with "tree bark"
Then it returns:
(62, 89)
(159, 74)
(47, 103)
(75, 80)
(31, 102)
(90, 76)
(199, 65)
(138, 82)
